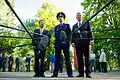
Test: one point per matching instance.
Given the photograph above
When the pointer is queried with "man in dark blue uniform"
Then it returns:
(82, 45)
(40, 49)
(62, 31)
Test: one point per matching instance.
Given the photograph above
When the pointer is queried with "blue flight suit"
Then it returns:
(60, 45)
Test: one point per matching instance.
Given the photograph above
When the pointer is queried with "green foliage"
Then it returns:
(22, 51)
(7, 18)
(47, 12)
(6, 15)
(109, 18)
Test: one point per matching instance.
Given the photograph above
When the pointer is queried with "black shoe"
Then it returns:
(36, 75)
(54, 76)
(88, 76)
(80, 75)
(70, 75)
(41, 75)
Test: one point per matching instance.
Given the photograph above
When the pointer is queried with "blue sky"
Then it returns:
(28, 8)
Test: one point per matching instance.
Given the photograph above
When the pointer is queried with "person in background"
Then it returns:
(75, 59)
(0, 62)
(92, 58)
(4, 61)
(28, 59)
(98, 61)
(10, 63)
(52, 60)
(103, 61)
(17, 62)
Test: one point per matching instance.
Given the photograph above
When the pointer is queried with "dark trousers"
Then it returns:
(93, 64)
(3, 67)
(103, 67)
(98, 66)
(80, 51)
(39, 62)
(9, 67)
(28, 68)
(17, 68)
(61, 67)
(0, 65)
(67, 59)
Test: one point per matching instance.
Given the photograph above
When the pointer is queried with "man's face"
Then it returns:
(60, 18)
(41, 23)
(78, 17)
(98, 51)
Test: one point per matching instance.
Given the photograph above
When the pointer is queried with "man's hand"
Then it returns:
(47, 48)
(73, 44)
(91, 43)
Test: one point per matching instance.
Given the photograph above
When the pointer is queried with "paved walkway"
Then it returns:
(62, 76)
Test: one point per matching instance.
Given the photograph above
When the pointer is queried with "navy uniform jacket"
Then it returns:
(58, 40)
(45, 32)
(83, 32)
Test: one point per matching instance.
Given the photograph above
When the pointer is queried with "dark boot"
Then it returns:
(55, 74)
(88, 76)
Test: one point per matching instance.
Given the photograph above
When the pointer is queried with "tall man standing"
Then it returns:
(62, 31)
(39, 49)
(82, 45)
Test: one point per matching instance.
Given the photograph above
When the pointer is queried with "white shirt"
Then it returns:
(79, 24)
(103, 57)
(41, 30)
(92, 56)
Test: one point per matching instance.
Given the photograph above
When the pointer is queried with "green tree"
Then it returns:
(6, 18)
(30, 25)
(6, 15)
(25, 50)
(106, 19)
